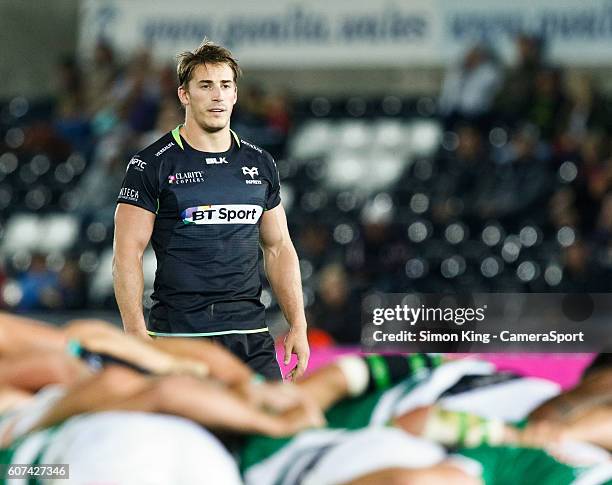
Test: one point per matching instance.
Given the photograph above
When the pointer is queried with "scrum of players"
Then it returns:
(121, 410)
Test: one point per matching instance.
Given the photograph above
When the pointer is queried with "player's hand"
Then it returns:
(304, 416)
(542, 433)
(296, 342)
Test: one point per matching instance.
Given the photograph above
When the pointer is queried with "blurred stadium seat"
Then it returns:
(23, 232)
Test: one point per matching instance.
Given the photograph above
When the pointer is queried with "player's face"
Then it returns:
(210, 96)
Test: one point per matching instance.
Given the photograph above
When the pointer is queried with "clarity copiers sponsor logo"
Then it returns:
(178, 178)
(222, 214)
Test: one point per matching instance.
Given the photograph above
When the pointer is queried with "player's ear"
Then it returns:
(183, 95)
(235, 93)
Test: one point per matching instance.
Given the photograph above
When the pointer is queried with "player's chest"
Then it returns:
(215, 180)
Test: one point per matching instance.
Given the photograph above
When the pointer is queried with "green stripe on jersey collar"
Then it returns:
(177, 136)
(235, 137)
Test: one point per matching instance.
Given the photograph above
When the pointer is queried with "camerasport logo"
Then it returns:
(222, 214)
(137, 163)
(186, 177)
(128, 193)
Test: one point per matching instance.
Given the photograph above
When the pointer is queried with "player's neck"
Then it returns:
(217, 142)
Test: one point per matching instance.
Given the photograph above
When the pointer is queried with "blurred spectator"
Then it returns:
(43, 288)
(582, 273)
(278, 114)
(42, 137)
(39, 287)
(375, 255)
(169, 117)
(136, 93)
(73, 287)
(336, 309)
(594, 160)
(548, 106)
(562, 209)
(464, 173)
(469, 89)
(514, 98)
(168, 84)
(71, 121)
(522, 183)
(603, 232)
(313, 243)
(99, 189)
(263, 117)
(589, 110)
(578, 204)
(69, 94)
(251, 106)
(99, 78)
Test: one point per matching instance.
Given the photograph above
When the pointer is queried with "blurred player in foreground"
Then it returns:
(426, 402)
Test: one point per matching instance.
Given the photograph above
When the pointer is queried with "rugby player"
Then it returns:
(391, 455)
(463, 405)
(35, 354)
(34, 428)
(206, 199)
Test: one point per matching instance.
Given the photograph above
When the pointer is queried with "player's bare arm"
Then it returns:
(283, 272)
(133, 229)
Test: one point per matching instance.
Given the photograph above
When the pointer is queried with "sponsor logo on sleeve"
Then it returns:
(256, 148)
(137, 164)
(222, 214)
(251, 172)
(128, 193)
(168, 146)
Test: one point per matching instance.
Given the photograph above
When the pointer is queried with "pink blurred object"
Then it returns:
(562, 368)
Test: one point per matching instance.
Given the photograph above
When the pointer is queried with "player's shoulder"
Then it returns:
(159, 149)
(250, 148)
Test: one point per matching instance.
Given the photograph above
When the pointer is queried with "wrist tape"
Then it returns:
(460, 429)
(380, 372)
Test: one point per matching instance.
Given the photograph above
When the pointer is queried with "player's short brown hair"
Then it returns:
(206, 53)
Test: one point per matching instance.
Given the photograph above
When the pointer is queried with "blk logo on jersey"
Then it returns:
(222, 214)
(215, 161)
(251, 172)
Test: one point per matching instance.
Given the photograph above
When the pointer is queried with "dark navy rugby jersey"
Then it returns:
(208, 209)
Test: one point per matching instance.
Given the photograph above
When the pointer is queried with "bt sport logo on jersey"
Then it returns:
(222, 214)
